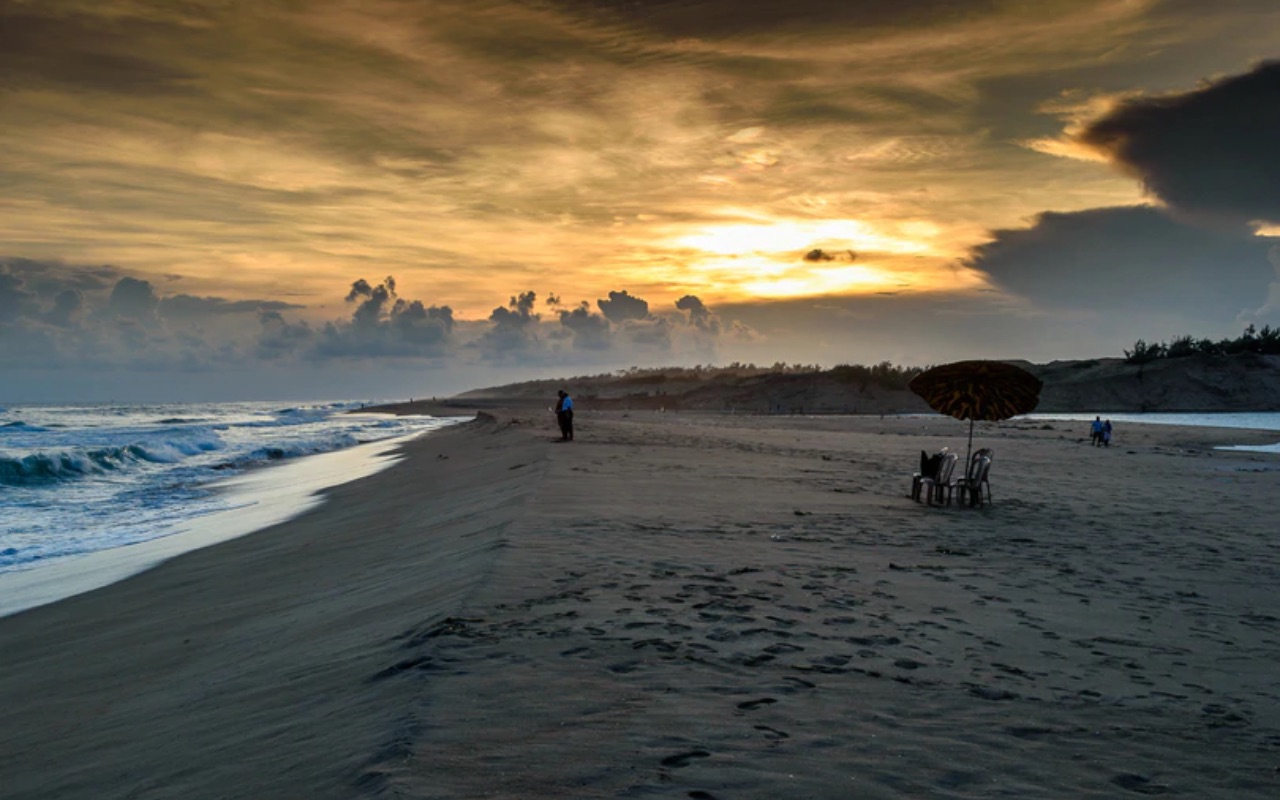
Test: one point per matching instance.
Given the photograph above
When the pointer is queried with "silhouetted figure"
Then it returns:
(564, 415)
(1106, 433)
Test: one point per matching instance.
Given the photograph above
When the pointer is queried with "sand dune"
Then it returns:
(693, 606)
(1241, 382)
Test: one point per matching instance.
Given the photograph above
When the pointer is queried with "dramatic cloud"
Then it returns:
(1212, 151)
(134, 300)
(382, 325)
(590, 331)
(514, 333)
(629, 330)
(190, 187)
(518, 312)
(1114, 260)
(622, 306)
(700, 316)
(67, 306)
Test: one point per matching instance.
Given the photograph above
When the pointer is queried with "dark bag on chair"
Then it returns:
(929, 464)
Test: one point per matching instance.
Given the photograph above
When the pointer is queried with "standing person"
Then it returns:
(1095, 431)
(1106, 433)
(564, 416)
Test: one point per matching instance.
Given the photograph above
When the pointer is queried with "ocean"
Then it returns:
(92, 493)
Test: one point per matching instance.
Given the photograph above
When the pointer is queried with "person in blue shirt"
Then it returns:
(564, 416)
(1095, 432)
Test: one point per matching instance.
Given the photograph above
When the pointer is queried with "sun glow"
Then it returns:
(837, 280)
(768, 258)
(781, 236)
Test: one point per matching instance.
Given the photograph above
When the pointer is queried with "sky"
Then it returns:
(223, 199)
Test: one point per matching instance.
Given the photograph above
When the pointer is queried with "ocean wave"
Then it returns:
(40, 468)
(24, 427)
(11, 555)
(34, 469)
(306, 447)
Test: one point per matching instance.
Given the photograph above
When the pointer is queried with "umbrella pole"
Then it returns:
(969, 452)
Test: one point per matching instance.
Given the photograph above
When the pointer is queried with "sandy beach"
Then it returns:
(690, 606)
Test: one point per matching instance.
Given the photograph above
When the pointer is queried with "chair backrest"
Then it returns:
(983, 466)
(975, 464)
(947, 467)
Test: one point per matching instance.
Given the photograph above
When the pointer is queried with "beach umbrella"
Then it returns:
(978, 390)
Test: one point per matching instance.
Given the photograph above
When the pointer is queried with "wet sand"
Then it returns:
(691, 606)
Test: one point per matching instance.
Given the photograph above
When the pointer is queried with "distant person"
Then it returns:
(564, 416)
(1106, 433)
(1095, 431)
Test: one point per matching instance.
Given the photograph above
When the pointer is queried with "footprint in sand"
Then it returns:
(800, 682)
(1139, 784)
(684, 759)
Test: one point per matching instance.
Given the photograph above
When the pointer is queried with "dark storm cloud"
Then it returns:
(623, 306)
(1211, 151)
(1128, 258)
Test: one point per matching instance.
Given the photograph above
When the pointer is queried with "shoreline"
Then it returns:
(254, 663)
(264, 496)
(688, 605)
